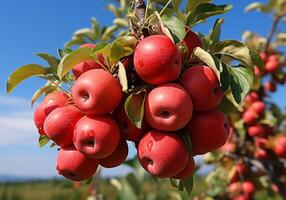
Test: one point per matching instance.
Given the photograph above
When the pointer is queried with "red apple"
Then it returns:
(168, 107)
(157, 60)
(96, 136)
(60, 123)
(188, 170)
(258, 107)
(256, 130)
(208, 124)
(261, 154)
(96, 92)
(279, 147)
(271, 66)
(84, 66)
(162, 154)
(117, 157)
(74, 165)
(248, 187)
(192, 40)
(127, 130)
(52, 101)
(252, 97)
(234, 187)
(261, 142)
(258, 71)
(263, 56)
(249, 117)
(203, 86)
(270, 86)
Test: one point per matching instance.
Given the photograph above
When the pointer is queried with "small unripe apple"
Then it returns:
(258, 107)
(168, 107)
(208, 124)
(96, 136)
(52, 101)
(249, 117)
(203, 85)
(74, 165)
(117, 157)
(270, 86)
(59, 125)
(128, 131)
(157, 60)
(188, 170)
(192, 40)
(162, 154)
(96, 92)
(256, 130)
(248, 187)
(279, 146)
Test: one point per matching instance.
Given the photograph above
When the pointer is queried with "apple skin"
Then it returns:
(256, 130)
(52, 101)
(279, 147)
(248, 188)
(249, 117)
(252, 97)
(188, 170)
(127, 130)
(208, 124)
(59, 125)
(192, 40)
(157, 60)
(117, 157)
(96, 92)
(96, 136)
(258, 107)
(162, 154)
(74, 165)
(84, 66)
(270, 86)
(203, 86)
(168, 107)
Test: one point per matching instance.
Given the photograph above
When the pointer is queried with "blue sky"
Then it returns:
(32, 26)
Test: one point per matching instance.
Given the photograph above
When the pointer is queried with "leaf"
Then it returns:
(261, 7)
(187, 141)
(192, 4)
(255, 57)
(122, 77)
(241, 80)
(51, 60)
(188, 184)
(176, 27)
(85, 32)
(88, 181)
(43, 140)
(108, 32)
(23, 73)
(215, 34)
(64, 52)
(165, 30)
(120, 22)
(95, 27)
(226, 106)
(53, 145)
(49, 86)
(122, 47)
(134, 107)
(205, 10)
(235, 50)
(70, 60)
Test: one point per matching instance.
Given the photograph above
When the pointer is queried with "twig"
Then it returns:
(272, 31)
(140, 10)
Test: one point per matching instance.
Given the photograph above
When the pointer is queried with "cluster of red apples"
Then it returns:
(91, 126)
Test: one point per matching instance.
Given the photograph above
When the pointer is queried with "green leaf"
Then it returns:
(176, 27)
(53, 145)
(122, 47)
(226, 106)
(43, 140)
(174, 182)
(224, 78)
(23, 73)
(262, 7)
(134, 107)
(70, 60)
(205, 10)
(241, 80)
(108, 33)
(164, 29)
(188, 184)
(48, 87)
(120, 22)
(187, 142)
(88, 181)
(122, 77)
(192, 4)
(64, 52)
(85, 32)
(51, 60)
(255, 57)
(215, 34)
(95, 27)
(235, 50)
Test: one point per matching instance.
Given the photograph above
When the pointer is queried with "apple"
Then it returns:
(162, 154)
(256, 130)
(271, 66)
(261, 154)
(263, 56)
(249, 117)
(252, 97)
(258, 107)
(279, 146)
(84, 66)
(270, 86)
(157, 60)
(191, 40)
(52, 101)
(261, 142)
(203, 85)
(234, 187)
(188, 170)
(258, 71)
(168, 107)
(117, 157)
(74, 165)
(208, 131)
(248, 187)
(96, 92)
(60, 123)
(127, 129)
(96, 136)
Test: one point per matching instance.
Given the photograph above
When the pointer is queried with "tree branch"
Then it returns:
(272, 32)
(140, 10)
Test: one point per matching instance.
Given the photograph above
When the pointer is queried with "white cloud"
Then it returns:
(13, 101)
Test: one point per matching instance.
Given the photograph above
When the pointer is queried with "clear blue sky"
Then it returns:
(34, 26)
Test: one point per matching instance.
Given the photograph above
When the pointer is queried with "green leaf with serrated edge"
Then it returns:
(49, 86)
(134, 108)
(122, 77)
(88, 181)
(43, 140)
(203, 11)
(176, 27)
(122, 47)
(215, 34)
(192, 4)
(64, 52)
(75, 57)
(51, 60)
(188, 184)
(241, 80)
(235, 50)
(226, 106)
(23, 73)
